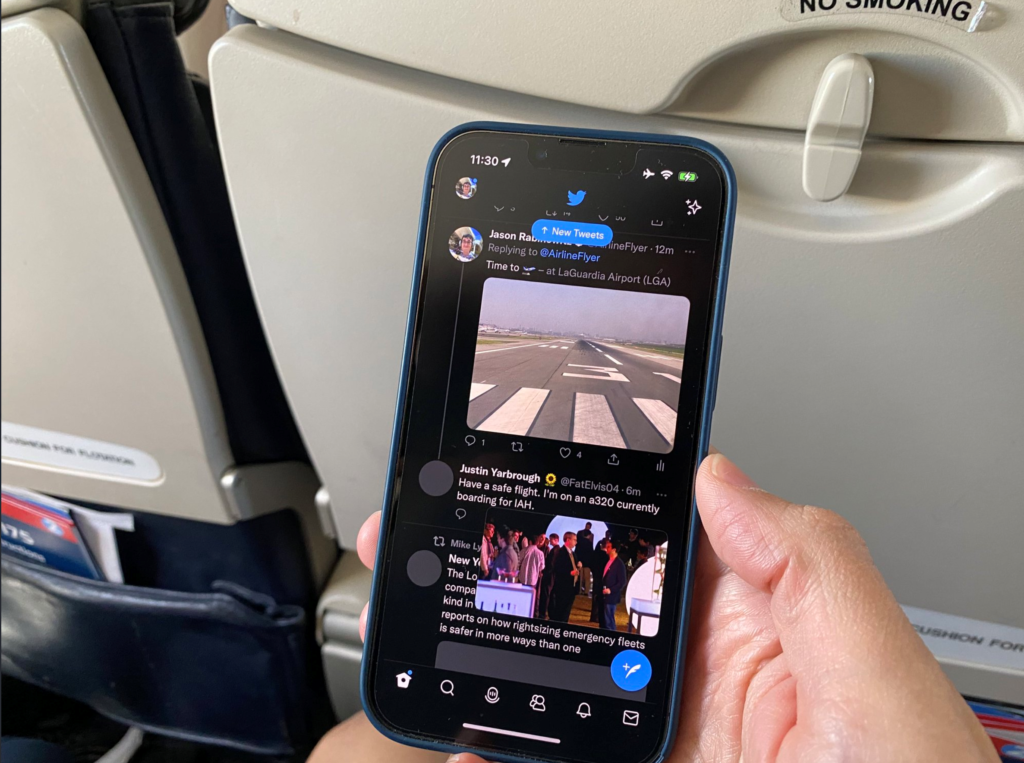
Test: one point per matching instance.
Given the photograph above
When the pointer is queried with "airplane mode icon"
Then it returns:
(648, 173)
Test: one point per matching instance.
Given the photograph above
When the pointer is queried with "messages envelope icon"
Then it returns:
(631, 717)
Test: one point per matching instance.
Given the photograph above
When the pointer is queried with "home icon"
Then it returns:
(404, 679)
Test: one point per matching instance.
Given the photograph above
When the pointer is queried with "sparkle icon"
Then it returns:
(693, 206)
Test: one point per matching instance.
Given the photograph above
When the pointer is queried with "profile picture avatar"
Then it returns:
(465, 188)
(465, 244)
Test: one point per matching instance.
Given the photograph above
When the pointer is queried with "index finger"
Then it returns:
(366, 540)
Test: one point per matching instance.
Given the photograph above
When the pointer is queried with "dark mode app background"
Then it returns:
(553, 383)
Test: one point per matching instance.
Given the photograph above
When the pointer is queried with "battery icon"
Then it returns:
(688, 177)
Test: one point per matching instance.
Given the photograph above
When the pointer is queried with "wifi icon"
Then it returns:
(666, 174)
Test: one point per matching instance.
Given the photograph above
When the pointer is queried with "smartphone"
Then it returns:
(537, 543)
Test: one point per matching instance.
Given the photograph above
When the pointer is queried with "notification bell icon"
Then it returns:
(583, 711)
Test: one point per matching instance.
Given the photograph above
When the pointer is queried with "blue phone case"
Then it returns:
(703, 438)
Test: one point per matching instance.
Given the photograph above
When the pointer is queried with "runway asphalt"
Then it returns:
(577, 390)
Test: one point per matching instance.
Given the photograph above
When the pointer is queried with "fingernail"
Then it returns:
(725, 470)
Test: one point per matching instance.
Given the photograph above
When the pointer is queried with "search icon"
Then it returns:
(447, 687)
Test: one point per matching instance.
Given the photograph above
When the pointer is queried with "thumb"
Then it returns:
(863, 675)
(832, 610)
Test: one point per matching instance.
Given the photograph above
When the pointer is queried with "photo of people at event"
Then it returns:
(571, 570)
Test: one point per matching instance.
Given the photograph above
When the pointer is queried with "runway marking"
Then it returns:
(660, 414)
(609, 373)
(503, 349)
(542, 345)
(665, 360)
(613, 360)
(516, 415)
(593, 423)
(676, 379)
(475, 390)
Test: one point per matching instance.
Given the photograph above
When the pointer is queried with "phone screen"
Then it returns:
(529, 597)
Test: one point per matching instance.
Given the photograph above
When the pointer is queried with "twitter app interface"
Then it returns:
(533, 568)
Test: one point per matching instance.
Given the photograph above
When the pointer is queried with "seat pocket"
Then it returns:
(225, 667)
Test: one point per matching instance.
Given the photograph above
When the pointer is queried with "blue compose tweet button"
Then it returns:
(581, 234)
(630, 670)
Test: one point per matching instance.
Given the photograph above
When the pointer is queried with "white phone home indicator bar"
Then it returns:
(508, 733)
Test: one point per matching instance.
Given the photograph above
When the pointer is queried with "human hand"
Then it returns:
(797, 651)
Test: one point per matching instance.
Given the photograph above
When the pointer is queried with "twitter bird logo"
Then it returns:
(576, 197)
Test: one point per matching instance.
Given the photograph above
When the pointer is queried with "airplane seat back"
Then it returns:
(136, 378)
(871, 343)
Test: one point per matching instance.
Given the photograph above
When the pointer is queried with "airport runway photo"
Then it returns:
(578, 390)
